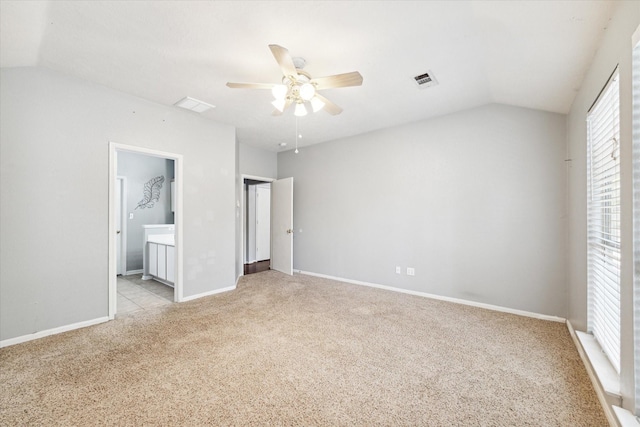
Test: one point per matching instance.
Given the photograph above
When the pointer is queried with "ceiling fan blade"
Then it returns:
(284, 60)
(329, 106)
(353, 78)
(277, 112)
(250, 85)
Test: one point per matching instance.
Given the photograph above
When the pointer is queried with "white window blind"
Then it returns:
(603, 220)
(636, 220)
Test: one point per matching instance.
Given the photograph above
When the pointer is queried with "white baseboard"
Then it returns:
(441, 298)
(46, 333)
(593, 377)
(206, 294)
(128, 273)
(18, 340)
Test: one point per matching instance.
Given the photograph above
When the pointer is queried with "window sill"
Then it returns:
(604, 377)
(625, 418)
(605, 372)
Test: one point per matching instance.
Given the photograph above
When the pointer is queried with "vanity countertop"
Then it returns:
(162, 239)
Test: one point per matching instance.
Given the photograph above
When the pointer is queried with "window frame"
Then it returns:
(603, 219)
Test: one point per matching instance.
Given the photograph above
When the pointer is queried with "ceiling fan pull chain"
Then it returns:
(296, 151)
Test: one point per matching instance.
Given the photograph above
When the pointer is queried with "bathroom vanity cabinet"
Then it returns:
(159, 253)
(161, 257)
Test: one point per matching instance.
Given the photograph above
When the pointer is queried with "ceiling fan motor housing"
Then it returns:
(300, 88)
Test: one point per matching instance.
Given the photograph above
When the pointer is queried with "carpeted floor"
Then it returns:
(302, 351)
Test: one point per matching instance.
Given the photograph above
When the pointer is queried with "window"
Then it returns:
(636, 215)
(603, 220)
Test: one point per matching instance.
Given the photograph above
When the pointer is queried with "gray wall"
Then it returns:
(253, 162)
(55, 133)
(258, 162)
(474, 201)
(139, 169)
(615, 49)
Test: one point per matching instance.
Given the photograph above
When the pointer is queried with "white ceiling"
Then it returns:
(526, 53)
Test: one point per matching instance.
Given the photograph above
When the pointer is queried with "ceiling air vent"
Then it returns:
(194, 105)
(426, 80)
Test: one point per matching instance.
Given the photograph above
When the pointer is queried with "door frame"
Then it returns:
(113, 173)
(243, 209)
(122, 181)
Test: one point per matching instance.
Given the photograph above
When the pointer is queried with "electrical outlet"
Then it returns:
(411, 271)
(398, 270)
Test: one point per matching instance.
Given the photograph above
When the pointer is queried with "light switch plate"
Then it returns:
(398, 270)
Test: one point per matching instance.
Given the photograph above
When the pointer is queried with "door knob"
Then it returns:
(118, 232)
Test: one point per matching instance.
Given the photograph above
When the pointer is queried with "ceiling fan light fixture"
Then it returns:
(297, 88)
(316, 104)
(279, 104)
(301, 110)
(279, 91)
(307, 91)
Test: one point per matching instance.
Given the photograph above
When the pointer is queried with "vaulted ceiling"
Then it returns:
(531, 54)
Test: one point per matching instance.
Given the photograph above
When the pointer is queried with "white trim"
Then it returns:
(438, 297)
(635, 38)
(256, 178)
(178, 172)
(123, 226)
(606, 374)
(592, 375)
(130, 272)
(54, 331)
(625, 418)
(111, 261)
(213, 292)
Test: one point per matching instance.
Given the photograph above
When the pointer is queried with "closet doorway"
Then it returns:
(256, 224)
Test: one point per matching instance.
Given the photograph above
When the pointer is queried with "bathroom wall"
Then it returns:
(138, 170)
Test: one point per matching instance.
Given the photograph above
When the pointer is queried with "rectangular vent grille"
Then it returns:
(426, 80)
(193, 104)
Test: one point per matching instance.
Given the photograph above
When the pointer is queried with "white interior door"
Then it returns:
(282, 225)
(263, 222)
(118, 208)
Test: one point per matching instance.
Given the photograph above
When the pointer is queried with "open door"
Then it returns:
(263, 222)
(282, 225)
(119, 190)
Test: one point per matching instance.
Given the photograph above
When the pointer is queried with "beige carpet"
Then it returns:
(302, 351)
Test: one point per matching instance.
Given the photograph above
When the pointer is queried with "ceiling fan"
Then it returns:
(299, 88)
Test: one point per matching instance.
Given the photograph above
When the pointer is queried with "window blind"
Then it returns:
(603, 220)
(636, 220)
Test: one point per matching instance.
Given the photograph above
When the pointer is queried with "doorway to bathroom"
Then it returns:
(145, 223)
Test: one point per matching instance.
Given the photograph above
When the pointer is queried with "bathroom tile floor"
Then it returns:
(135, 294)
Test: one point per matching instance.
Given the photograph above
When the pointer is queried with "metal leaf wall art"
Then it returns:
(151, 192)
